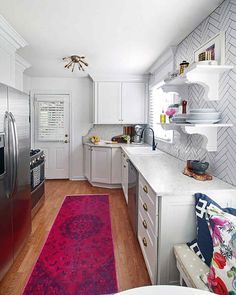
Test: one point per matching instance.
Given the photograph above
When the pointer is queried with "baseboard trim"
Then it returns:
(80, 178)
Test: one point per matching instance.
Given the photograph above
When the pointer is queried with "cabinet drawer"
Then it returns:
(148, 244)
(148, 222)
(149, 214)
(147, 194)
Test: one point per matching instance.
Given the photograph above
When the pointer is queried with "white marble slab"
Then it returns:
(164, 174)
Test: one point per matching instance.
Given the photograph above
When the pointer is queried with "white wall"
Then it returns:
(80, 91)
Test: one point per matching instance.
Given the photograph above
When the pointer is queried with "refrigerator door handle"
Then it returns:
(7, 155)
(15, 150)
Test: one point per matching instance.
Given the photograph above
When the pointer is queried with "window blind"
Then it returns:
(51, 120)
(158, 101)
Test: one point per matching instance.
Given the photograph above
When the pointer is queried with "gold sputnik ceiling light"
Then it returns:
(73, 60)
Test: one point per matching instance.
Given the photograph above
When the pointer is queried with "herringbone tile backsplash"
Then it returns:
(222, 162)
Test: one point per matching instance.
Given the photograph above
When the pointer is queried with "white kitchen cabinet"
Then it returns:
(116, 165)
(147, 226)
(100, 165)
(124, 183)
(165, 220)
(10, 42)
(120, 103)
(87, 161)
(133, 103)
(20, 66)
(109, 103)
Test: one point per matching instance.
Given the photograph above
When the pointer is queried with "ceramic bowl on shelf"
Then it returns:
(198, 166)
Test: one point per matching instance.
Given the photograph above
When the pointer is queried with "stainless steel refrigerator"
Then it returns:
(15, 200)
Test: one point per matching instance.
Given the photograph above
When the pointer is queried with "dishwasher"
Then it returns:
(133, 196)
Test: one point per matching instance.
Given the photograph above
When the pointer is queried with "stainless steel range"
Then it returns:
(37, 174)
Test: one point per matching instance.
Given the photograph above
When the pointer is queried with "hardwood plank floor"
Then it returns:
(130, 266)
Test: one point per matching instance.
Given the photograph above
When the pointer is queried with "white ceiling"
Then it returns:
(116, 36)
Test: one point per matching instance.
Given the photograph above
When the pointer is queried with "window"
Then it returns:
(158, 102)
(50, 120)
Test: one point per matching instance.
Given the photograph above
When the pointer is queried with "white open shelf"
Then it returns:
(208, 131)
(207, 76)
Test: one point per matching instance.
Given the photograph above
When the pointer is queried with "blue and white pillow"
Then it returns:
(203, 245)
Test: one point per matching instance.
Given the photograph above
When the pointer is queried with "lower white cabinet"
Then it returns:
(147, 227)
(124, 168)
(167, 219)
(87, 161)
(102, 165)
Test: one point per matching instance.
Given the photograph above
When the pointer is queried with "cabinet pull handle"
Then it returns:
(144, 242)
(124, 166)
(145, 224)
(145, 189)
(124, 155)
(127, 160)
(145, 207)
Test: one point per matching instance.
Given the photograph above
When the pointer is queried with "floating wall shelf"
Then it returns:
(208, 131)
(207, 76)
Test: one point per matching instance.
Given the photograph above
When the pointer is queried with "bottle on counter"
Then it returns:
(184, 64)
(184, 106)
(163, 117)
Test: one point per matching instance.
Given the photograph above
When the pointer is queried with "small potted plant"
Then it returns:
(126, 138)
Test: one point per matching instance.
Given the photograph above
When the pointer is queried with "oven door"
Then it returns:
(133, 196)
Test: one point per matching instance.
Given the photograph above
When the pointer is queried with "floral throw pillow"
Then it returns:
(222, 275)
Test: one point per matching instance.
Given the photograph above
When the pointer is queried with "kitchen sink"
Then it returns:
(142, 151)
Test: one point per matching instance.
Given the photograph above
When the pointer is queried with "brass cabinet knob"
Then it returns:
(144, 242)
(145, 224)
(145, 189)
(66, 135)
(65, 141)
(145, 207)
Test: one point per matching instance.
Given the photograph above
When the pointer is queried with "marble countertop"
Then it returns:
(114, 144)
(163, 173)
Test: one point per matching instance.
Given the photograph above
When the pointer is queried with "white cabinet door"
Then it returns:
(116, 166)
(87, 161)
(108, 103)
(125, 176)
(101, 165)
(133, 103)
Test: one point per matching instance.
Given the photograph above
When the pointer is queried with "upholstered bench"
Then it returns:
(190, 267)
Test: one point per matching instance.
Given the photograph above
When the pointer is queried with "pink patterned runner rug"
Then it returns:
(78, 256)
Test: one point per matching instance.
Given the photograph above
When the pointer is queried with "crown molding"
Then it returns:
(166, 57)
(21, 62)
(10, 35)
(118, 78)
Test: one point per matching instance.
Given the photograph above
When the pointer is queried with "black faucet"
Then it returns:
(153, 137)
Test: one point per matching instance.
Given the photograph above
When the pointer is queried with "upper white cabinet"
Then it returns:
(120, 103)
(10, 41)
(133, 103)
(20, 66)
(108, 103)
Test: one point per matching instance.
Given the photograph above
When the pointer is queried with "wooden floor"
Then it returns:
(130, 266)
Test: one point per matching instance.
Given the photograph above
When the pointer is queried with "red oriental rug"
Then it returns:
(78, 256)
